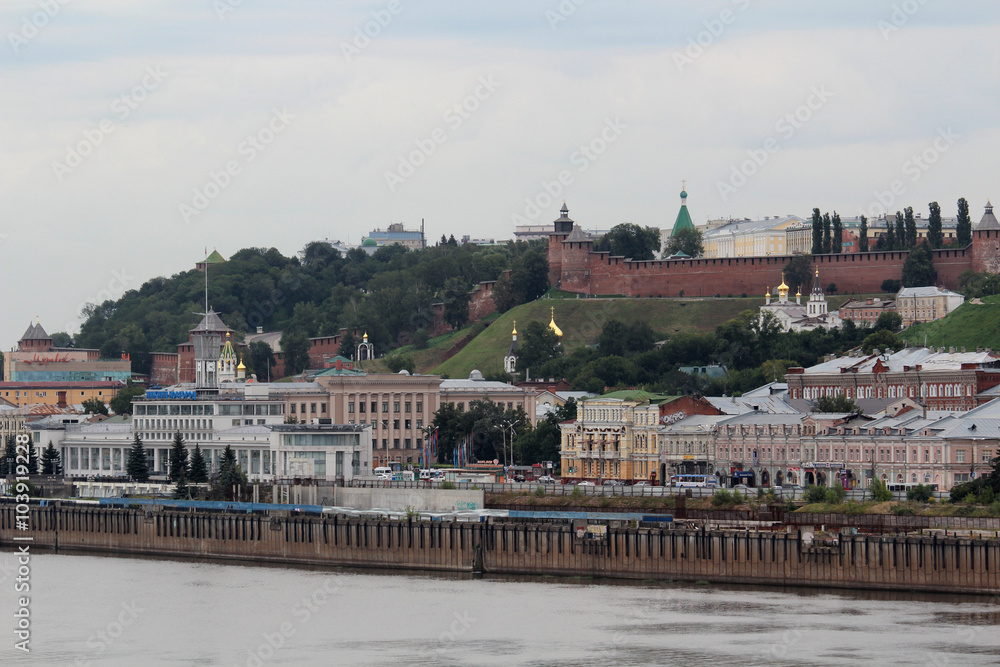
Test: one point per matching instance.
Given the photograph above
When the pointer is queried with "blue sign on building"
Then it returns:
(172, 395)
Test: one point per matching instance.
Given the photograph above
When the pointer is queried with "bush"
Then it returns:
(723, 497)
(920, 493)
(831, 288)
(420, 339)
(577, 492)
(447, 485)
(835, 495)
(539, 491)
(890, 285)
(994, 509)
(880, 492)
(986, 496)
(903, 510)
(965, 510)
(815, 494)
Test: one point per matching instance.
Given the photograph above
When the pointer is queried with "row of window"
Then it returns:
(175, 424)
(363, 406)
(384, 423)
(408, 443)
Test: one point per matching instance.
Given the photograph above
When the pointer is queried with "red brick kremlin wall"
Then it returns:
(577, 268)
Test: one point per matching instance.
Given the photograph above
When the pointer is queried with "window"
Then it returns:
(395, 406)
(420, 406)
(361, 406)
(374, 407)
(407, 423)
(395, 443)
(407, 406)
(959, 456)
(350, 407)
(385, 406)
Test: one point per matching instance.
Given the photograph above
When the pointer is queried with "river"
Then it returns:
(96, 610)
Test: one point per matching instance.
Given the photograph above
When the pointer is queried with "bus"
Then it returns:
(906, 487)
(691, 481)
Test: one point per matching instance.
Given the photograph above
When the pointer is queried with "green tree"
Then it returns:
(918, 270)
(9, 466)
(51, 465)
(122, 402)
(349, 344)
(295, 348)
(836, 403)
(879, 491)
(687, 240)
(817, 232)
(900, 232)
(827, 234)
(32, 458)
(963, 229)
(798, 272)
(528, 280)
(881, 340)
(911, 227)
(890, 320)
(934, 234)
(863, 235)
(973, 284)
(456, 302)
(137, 465)
(537, 344)
(62, 339)
(400, 362)
(178, 459)
(198, 472)
(95, 406)
(230, 478)
(837, 243)
(631, 240)
(261, 360)
(889, 240)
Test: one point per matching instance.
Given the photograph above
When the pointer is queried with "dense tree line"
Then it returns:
(316, 292)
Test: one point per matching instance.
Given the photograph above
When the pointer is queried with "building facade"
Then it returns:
(926, 304)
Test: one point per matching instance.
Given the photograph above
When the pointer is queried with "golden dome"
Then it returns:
(241, 367)
(782, 287)
(552, 323)
(514, 332)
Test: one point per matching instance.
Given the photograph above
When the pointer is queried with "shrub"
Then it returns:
(994, 509)
(420, 339)
(903, 510)
(577, 492)
(790, 506)
(815, 494)
(890, 285)
(835, 495)
(986, 496)
(724, 497)
(965, 510)
(539, 491)
(880, 492)
(447, 485)
(920, 493)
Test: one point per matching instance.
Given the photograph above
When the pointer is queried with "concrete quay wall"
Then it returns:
(888, 563)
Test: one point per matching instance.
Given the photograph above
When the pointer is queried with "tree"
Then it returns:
(687, 240)
(836, 403)
(537, 344)
(95, 406)
(838, 234)
(879, 491)
(62, 339)
(798, 272)
(817, 232)
(890, 285)
(911, 227)
(827, 238)
(51, 464)
(890, 320)
(918, 270)
(122, 402)
(963, 229)
(295, 347)
(528, 280)
(889, 240)
(456, 302)
(261, 359)
(348, 345)
(900, 232)
(9, 466)
(881, 340)
(198, 472)
(863, 235)
(32, 458)
(230, 476)
(631, 240)
(137, 465)
(178, 459)
(934, 235)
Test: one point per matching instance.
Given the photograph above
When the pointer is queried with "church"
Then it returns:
(794, 316)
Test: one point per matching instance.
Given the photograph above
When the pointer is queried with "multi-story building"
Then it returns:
(938, 379)
(59, 394)
(796, 316)
(866, 311)
(926, 304)
(757, 238)
(396, 234)
(37, 359)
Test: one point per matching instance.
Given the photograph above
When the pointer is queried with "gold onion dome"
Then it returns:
(552, 323)
(514, 331)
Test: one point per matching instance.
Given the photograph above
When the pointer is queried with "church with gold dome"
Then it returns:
(796, 316)
(510, 359)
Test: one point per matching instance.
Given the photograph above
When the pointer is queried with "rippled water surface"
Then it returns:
(88, 610)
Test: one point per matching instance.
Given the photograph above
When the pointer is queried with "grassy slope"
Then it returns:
(581, 321)
(970, 326)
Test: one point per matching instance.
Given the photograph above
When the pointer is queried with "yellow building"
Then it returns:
(59, 394)
(759, 238)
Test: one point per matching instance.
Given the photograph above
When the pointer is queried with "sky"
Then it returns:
(134, 135)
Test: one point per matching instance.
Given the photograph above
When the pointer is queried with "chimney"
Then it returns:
(260, 330)
(951, 350)
(963, 349)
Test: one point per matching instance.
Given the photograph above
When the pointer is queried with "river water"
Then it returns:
(96, 610)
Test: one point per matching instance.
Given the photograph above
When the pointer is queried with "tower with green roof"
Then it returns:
(683, 217)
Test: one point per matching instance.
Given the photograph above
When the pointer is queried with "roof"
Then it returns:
(35, 332)
(577, 235)
(477, 383)
(989, 221)
(747, 226)
(926, 357)
(683, 217)
(60, 384)
(735, 405)
(764, 418)
(214, 258)
(272, 338)
(211, 322)
(911, 292)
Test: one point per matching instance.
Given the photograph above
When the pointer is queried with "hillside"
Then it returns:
(582, 320)
(972, 325)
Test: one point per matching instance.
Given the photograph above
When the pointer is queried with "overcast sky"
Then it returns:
(134, 134)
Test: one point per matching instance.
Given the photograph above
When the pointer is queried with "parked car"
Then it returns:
(742, 488)
(641, 484)
(613, 482)
(585, 483)
(546, 479)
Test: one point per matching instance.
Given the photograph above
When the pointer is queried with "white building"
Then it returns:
(794, 316)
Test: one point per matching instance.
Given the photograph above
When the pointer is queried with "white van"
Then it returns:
(383, 470)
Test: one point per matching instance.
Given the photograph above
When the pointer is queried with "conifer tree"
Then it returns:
(32, 458)
(900, 232)
(51, 464)
(230, 474)
(137, 465)
(963, 229)
(817, 232)
(826, 233)
(934, 235)
(863, 235)
(178, 459)
(837, 242)
(890, 235)
(198, 473)
(911, 227)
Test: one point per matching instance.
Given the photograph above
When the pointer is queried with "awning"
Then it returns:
(743, 473)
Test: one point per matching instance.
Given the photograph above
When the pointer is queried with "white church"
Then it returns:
(794, 316)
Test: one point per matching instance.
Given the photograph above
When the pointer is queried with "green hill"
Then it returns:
(970, 326)
(581, 321)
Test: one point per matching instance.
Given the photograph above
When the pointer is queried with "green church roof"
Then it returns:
(214, 258)
(683, 217)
